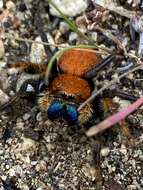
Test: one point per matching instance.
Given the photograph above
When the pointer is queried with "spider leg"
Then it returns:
(109, 107)
(10, 102)
(20, 94)
(28, 67)
(126, 131)
(119, 93)
(95, 165)
(92, 72)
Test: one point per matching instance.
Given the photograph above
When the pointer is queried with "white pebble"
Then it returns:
(94, 36)
(1, 151)
(39, 188)
(73, 36)
(10, 5)
(3, 177)
(141, 157)
(131, 187)
(41, 166)
(26, 116)
(11, 172)
(39, 117)
(1, 4)
(20, 125)
(33, 163)
(2, 64)
(129, 1)
(123, 149)
(63, 27)
(69, 8)
(51, 40)
(2, 50)
(37, 54)
(24, 186)
(7, 167)
(3, 97)
(105, 151)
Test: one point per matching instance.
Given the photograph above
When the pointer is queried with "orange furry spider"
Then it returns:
(69, 88)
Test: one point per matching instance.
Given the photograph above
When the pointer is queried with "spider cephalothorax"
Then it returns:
(65, 95)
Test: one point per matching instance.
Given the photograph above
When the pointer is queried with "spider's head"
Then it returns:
(67, 111)
(58, 108)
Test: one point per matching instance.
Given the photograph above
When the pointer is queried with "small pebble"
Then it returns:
(131, 187)
(69, 8)
(141, 157)
(105, 151)
(94, 36)
(51, 40)
(3, 97)
(7, 167)
(20, 125)
(129, 1)
(50, 147)
(39, 188)
(37, 54)
(123, 149)
(73, 36)
(26, 116)
(39, 117)
(3, 177)
(24, 186)
(10, 5)
(11, 172)
(1, 4)
(63, 27)
(2, 64)
(41, 166)
(2, 49)
(33, 163)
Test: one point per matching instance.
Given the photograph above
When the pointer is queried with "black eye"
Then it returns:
(55, 109)
(71, 114)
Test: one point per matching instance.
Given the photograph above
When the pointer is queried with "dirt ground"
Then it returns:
(39, 154)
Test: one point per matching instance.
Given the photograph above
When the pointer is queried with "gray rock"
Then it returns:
(69, 8)
(37, 54)
(2, 49)
(26, 116)
(1, 4)
(3, 97)
(105, 151)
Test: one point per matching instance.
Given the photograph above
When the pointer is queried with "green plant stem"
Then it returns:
(72, 25)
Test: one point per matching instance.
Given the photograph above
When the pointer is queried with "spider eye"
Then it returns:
(55, 109)
(71, 114)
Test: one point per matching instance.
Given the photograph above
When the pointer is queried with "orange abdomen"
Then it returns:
(77, 62)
